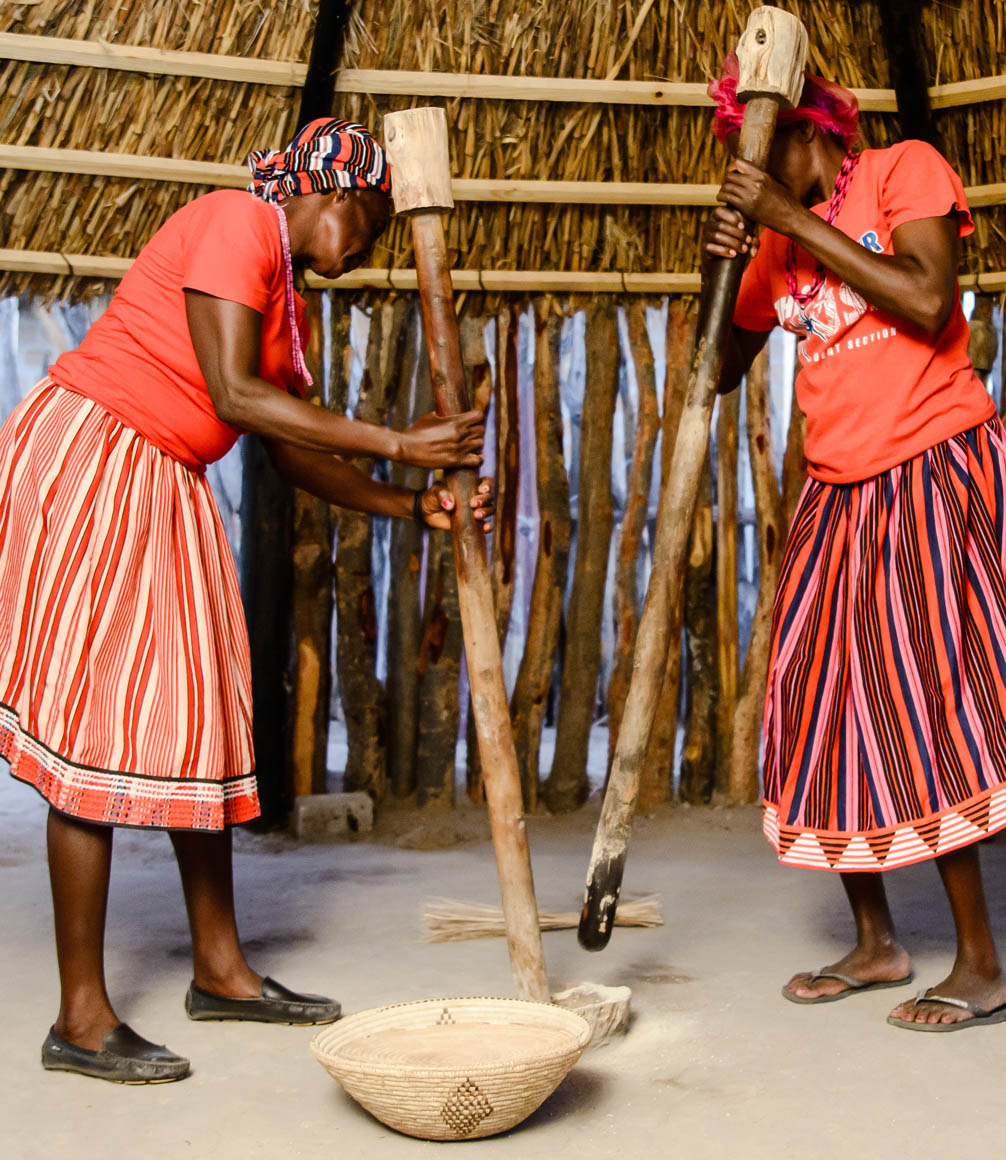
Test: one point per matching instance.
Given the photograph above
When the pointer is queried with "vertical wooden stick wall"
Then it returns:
(405, 558)
(637, 504)
(530, 694)
(657, 781)
(744, 753)
(313, 526)
(567, 783)
(416, 716)
(363, 697)
(727, 629)
(698, 758)
(480, 389)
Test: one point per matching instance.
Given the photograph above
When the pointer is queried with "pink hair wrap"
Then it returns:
(830, 106)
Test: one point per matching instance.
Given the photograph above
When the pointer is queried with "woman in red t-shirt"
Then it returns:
(125, 683)
(885, 716)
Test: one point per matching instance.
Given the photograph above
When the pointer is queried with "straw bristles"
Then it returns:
(673, 40)
(448, 920)
(679, 40)
(99, 109)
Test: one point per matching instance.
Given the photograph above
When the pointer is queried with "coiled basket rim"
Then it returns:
(325, 1044)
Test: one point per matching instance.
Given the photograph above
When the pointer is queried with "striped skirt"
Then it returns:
(125, 684)
(885, 716)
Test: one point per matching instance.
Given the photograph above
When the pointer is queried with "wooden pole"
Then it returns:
(417, 147)
(363, 696)
(530, 694)
(747, 723)
(637, 504)
(504, 391)
(656, 782)
(984, 343)
(794, 463)
(439, 668)
(726, 577)
(901, 28)
(772, 53)
(566, 787)
(405, 557)
(312, 604)
(698, 755)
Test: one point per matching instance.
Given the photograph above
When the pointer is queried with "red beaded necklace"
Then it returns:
(842, 183)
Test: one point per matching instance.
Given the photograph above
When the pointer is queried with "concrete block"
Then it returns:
(323, 816)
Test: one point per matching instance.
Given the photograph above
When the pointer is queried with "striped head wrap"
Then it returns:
(324, 156)
(830, 106)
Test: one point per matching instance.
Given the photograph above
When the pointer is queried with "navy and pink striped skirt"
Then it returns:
(885, 716)
(125, 683)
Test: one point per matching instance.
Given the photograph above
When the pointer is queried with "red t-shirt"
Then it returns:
(137, 360)
(875, 389)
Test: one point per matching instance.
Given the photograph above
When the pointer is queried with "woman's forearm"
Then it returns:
(898, 284)
(254, 405)
(337, 482)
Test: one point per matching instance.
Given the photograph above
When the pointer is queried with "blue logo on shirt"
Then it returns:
(870, 240)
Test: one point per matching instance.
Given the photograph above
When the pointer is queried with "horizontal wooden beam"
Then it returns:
(585, 192)
(496, 281)
(967, 92)
(561, 281)
(521, 281)
(985, 195)
(391, 82)
(136, 167)
(137, 58)
(130, 165)
(486, 87)
(50, 262)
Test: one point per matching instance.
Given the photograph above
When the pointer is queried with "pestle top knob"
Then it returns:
(416, 143)
(772, 55)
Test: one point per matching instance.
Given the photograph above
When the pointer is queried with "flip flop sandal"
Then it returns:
(855, 987)
(979, 1016)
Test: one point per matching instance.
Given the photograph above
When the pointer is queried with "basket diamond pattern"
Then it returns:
(465, 1108)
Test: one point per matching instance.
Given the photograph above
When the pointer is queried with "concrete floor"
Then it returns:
(716, 1063)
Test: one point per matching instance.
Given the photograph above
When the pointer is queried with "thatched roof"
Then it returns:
(665, 40)
(64, 106)
(680, 40)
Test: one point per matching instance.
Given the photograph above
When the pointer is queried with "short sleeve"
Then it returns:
(919, 183)
(755, 309)
(230, 249)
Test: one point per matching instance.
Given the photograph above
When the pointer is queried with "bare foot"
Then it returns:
(963, 982)
(240, 983)
(882, 963)
(86, 1029)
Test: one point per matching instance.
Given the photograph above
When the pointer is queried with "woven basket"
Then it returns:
(453, 1069)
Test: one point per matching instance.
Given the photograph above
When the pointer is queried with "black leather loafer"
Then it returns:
(125, 1057)
(274, 1004)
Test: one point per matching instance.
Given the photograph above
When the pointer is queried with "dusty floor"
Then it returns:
(716, 1063)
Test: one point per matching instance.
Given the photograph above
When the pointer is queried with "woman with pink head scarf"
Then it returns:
(885, 714)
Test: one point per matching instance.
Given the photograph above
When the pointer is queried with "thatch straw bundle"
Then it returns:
(672, 40)
(98, 109)
(964, 40)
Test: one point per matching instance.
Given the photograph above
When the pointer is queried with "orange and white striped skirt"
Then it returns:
(125, 676)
